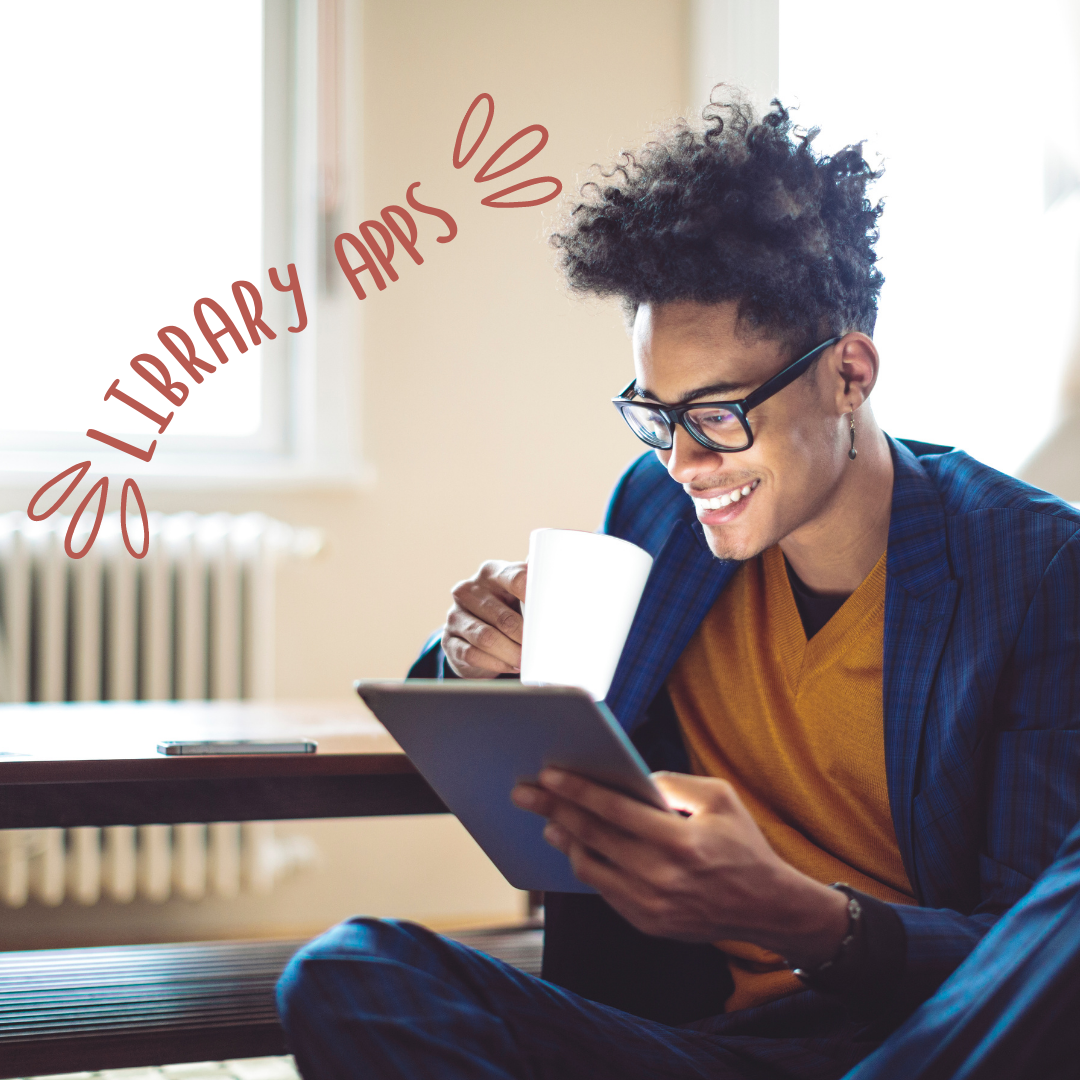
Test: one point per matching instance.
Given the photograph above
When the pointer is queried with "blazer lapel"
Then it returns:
(685, 581)
(920, 598)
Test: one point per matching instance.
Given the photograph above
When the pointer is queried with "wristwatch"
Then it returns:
(834, 966)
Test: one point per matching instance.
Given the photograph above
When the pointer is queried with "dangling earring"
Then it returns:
(852, 453)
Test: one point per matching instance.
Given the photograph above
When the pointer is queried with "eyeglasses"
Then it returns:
(717, 425)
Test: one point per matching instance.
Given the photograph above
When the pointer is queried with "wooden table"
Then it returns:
(97, 764)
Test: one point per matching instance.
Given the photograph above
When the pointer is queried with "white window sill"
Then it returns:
(180, 471)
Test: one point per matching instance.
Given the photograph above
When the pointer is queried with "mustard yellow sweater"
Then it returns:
(797, 727)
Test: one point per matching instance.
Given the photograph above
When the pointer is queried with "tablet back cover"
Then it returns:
(474, 741)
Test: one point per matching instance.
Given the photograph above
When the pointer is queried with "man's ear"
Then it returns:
(854, 359)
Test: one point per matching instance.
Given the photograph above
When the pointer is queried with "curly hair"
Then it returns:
(741, 209)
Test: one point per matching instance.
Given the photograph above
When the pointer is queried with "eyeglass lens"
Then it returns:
(720, 427)
(648, 425)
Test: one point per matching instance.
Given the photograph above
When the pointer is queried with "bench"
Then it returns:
(73, 1010)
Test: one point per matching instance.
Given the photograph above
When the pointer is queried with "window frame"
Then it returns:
(311, 162)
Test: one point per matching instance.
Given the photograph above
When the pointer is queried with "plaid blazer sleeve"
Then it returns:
(431, 663)
(1030, 775)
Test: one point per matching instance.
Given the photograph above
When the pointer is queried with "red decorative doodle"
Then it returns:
(81, 468)
(130, 485)
(494, 198)
(483, 175)
(103, 485)
(459, 161)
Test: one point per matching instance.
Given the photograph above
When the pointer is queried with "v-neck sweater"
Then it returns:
(797, 727)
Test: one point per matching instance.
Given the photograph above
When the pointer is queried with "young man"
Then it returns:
(857, 659)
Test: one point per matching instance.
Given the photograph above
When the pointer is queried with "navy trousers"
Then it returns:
(1012, 1009)
(384, 999)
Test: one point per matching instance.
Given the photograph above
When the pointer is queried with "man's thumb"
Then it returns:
(690, 793)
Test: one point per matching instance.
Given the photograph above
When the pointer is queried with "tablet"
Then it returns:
(473, 741)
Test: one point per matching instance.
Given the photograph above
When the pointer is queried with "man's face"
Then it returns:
(687, 351)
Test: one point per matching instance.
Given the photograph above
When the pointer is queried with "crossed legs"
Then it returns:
(384, 999)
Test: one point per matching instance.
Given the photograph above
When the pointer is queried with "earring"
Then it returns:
(852, 453)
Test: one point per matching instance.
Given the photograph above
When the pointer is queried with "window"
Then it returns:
(161, 152)
(973, 109)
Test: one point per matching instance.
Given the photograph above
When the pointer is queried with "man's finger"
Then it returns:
(489, 602)
(504, 618)
(622, 849)
(621, 889)
(471, 662)
(484, 636)
(532, 798)
(629, 815)
(472, 594)
(514, 578)
(577, 825)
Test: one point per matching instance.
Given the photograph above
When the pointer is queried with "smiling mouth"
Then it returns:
(718, 502)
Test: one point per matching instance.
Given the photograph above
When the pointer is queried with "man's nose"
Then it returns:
(687, 458)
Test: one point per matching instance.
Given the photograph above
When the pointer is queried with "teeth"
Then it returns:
(721, 501)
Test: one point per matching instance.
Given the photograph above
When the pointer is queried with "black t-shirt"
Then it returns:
(815, 609)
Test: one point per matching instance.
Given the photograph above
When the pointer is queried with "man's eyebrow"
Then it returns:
(720, 390)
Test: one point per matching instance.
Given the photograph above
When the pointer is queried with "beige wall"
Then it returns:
(484, 405)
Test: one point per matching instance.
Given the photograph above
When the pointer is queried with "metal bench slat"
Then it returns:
(69, 1010)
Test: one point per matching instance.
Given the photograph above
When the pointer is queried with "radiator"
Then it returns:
(194, 620)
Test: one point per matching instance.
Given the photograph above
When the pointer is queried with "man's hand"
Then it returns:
(708, 876)
(482, 636)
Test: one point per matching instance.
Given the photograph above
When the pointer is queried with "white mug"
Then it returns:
(583, 591)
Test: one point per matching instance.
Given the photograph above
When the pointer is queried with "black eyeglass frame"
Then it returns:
(676, 414)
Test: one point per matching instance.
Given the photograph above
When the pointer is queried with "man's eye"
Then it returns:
(714, 418)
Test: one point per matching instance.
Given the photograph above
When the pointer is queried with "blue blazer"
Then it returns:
(981, 677)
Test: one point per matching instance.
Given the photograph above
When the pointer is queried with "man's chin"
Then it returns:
(726, 543)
